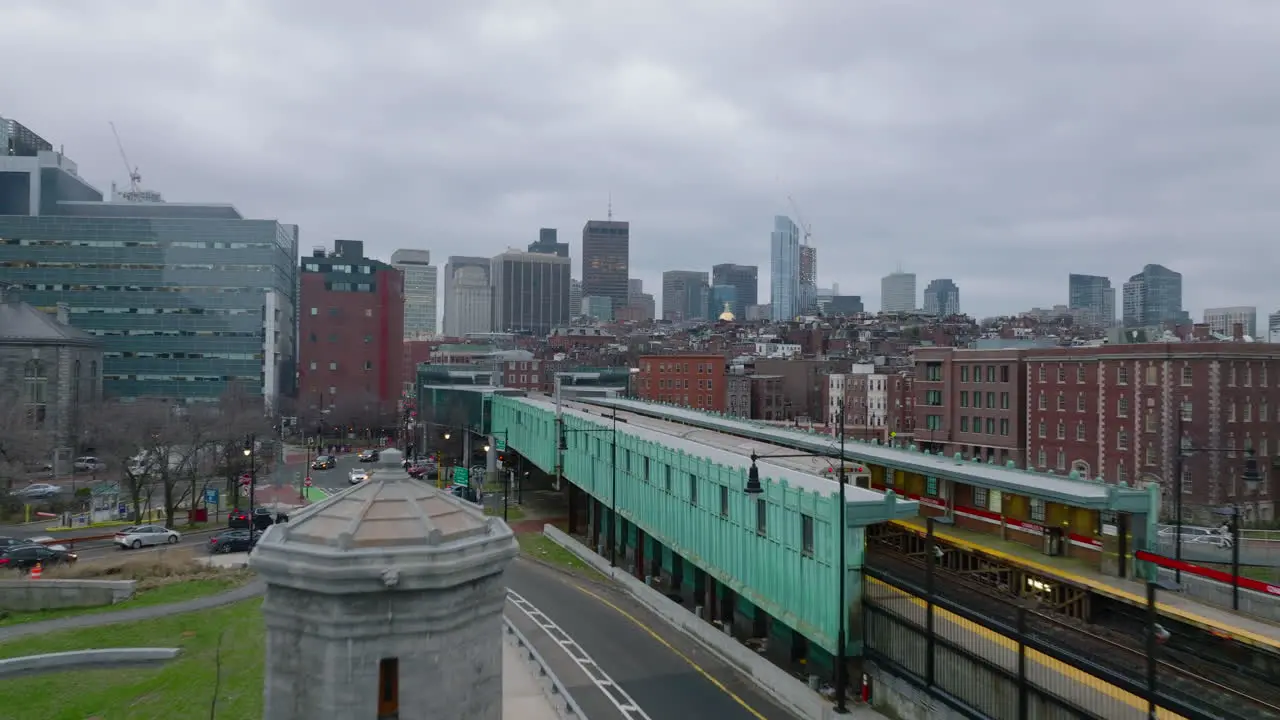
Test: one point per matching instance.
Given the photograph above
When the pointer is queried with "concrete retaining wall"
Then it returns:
(26, 595)
(787, 690)
(551, 685)
(105, 659)
(1218, 594)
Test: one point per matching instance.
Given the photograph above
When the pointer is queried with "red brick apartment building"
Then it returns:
(971, 402)
(1117, 412)
(351, 335)
(695, 381)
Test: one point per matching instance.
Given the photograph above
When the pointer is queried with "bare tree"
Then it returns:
(120, 434)
(25, 443)
(237, 415)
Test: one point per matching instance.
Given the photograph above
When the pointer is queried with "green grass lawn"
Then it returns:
(181, 690)
(514, 512)
(173, 592)
(537, 545)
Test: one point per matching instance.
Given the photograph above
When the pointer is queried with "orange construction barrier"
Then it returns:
(36, 572)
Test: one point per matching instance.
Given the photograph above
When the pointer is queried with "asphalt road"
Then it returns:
(668, 675)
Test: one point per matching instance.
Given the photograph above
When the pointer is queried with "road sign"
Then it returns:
(211, 496)
(307, 482)
(500, 443)
(460, 476)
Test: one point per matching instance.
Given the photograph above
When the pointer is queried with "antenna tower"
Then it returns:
(610, 206)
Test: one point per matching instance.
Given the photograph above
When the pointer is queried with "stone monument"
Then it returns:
(385, 601)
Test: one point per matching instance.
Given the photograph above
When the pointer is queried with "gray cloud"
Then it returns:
(1002, 144)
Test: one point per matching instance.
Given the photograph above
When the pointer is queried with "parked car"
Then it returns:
(233, 541)
(466, 492)
(263, 518)
(139, 535)
(358, 476)
(89, 463)
(39, 491)
(421, 470)
(367, 456)
(238, 519)
(324, 462)
(25, 557)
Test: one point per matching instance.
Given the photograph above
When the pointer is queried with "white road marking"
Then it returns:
(614, 692)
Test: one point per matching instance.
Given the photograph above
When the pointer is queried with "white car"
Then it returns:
(358, 476)
(39, 491)
(139, 535)
(88, 463)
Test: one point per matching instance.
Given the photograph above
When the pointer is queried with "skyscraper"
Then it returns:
(530, 292)
(606, 260)
(746, 282)
(1094, 296)
(1223, 320)
(784, 269)
(1152, 297)
(684, 295)
(808, 298)
(942, 298)
(575, 298)
(420, 278)
(898, 292)
(468, 296)
(548, 244)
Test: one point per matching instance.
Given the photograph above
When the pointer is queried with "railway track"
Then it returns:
(1198, 683)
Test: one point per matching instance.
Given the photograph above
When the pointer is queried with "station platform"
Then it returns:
(1242, 628)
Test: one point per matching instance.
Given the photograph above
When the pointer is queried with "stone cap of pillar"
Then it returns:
(389, 533)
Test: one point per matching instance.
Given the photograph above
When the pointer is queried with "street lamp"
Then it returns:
(754, 487)
(563, 445)
(249, 446)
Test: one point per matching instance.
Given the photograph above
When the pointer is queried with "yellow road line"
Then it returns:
(1054, 665)
(1104, 588)
(636, 621)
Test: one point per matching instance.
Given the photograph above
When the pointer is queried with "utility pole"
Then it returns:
(841, 661)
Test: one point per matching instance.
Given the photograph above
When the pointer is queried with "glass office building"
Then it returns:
(186, 299)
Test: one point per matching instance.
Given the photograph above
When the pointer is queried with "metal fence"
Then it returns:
(984, 669)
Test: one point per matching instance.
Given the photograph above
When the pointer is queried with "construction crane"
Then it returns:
(804, 226)
(135, 179)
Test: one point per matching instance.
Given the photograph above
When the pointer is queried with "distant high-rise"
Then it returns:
(1152, 297)
(942, 298)
(746, 282)
(468, 296)
(575, 298)
(635, 288)
(1094, 297)
(530, 292)
(784, 269)
(684, 295)
(898, 292)
(1223, 320)
(606, 260)
(1273, 327)
(808, 297)
(548, 244)
(419, 291)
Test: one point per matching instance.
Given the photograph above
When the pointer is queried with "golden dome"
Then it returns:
(727, 315)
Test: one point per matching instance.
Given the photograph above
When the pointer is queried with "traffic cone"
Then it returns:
(36, 571)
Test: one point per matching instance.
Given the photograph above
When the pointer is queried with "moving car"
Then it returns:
(358, 476)
(367, 456)
(233, 541)
(324, 462)
(139, 535)
(39, 491)
(89, 463)
(25, 557)
(9, 542)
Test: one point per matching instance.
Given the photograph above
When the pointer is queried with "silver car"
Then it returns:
(139, 535)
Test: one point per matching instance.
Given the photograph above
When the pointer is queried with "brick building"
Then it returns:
(351, 336)
(1118, 411)
(971, 402)
(696, 381)
(768, 402)
(901, 403)
(738, 403)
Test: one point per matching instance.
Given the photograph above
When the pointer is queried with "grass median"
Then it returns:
(181, 689)
(162, 578)
(540, 547)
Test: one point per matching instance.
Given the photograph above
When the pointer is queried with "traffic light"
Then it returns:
(502, 457)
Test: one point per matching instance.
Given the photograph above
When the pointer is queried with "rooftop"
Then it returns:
(1079, 492)
(22, 324)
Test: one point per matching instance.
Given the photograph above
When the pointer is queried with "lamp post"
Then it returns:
(755, 488)
(563, 445)
(249, 447)
(506, 477)
(1156, 636)
(1250, 476)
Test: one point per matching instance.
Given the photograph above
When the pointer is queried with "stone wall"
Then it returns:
(25, 595)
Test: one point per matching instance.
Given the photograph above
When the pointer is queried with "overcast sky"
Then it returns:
(1001, 144)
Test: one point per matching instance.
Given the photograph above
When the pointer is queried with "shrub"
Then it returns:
(150, 570)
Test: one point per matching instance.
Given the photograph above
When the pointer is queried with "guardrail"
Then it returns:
(104, 659)
(551, 685)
